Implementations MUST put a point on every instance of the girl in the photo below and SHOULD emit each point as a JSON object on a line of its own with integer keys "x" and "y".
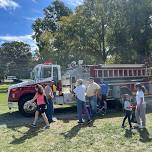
{"x": 128, "y": 109}
{"x": 41, "y": 106}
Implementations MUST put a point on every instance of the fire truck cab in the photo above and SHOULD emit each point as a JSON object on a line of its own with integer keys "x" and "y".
{"x": 19, "y": 94}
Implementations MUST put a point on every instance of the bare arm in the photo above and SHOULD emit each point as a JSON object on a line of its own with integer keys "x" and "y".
{"x": 34, "y": 98}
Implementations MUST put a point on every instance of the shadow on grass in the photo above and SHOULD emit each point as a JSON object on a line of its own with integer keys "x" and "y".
{"x": 13, "y": 120}
{"x": 128, "y": 133}
{"x": 74, "y": 131}
{"x": 31, "y": 132}
{"x": 144, "y": 135}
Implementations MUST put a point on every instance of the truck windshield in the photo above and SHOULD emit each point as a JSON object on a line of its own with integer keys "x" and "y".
{"x": 47, "y": 72}
{"x": 41, "y": 72}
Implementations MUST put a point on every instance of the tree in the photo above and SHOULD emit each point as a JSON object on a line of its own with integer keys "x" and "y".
{"x": 97, "y": 31}
{"x": 130, "y": 32}
{"x": 16, "y": 58}
{"x": 49, "y": 24}
{"x": 83, "y": 34}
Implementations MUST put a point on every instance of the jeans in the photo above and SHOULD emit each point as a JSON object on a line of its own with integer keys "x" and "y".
{"x": 81, "y": 108}
{"x": 141, "y": 114}
{"x": 127, "y": 115}
{"x": 93, "y": 104}
{"x": 49, "y": 110}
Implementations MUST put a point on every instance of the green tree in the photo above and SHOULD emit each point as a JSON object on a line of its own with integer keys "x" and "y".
{"x": 49, "y": 24}
{"x": 16, "y": 58}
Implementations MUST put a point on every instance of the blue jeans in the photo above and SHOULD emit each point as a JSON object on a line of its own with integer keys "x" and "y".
{"x": 93, "y": 104}
{"x": 81, "y": 107}
{"x": 49, "y": 110}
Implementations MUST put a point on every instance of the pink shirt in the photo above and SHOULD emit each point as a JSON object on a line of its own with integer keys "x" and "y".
{"x": 40, "y": 99}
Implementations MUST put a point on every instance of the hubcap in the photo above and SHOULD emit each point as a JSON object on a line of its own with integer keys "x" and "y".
{"x": 29, "y": 108}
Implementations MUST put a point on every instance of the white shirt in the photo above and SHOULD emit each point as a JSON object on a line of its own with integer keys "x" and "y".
{"x": 139, "y": 95}
{"x": 80, "y": 92}
{"x": 127, "y": 105}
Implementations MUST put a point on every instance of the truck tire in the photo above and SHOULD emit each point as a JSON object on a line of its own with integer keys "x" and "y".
{"x": 24, "y": 109}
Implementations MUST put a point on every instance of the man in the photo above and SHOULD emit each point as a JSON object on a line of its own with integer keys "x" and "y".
{"x": 54, "y": 88}
{"x": 104, "y": 92}
{"x": 49, "y": 96}
{"x": 81, "y": 101}
{"x": 92, "y": 93}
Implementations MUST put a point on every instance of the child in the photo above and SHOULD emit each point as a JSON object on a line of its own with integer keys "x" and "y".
{"x": 128, "y": 109}
{"x": 41, "y": 106}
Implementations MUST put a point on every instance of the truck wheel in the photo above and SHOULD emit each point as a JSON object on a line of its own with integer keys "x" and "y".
{"x": 24, "y": 107}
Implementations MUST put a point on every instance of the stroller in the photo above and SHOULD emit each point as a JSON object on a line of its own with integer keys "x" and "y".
{"x": 101, "y": 106}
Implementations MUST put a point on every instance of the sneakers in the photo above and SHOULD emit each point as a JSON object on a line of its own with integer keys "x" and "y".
{"x": 131, "y": 127}
{"x": 136, "y": 125}
{"x": 89, "y": 121}
{"x": 80, "y": 122}
{"x": 122, "y": 126}
{"x": 33, "y": 125}
{"x": 141, "y": 127}
{"x": 46, "y": 127}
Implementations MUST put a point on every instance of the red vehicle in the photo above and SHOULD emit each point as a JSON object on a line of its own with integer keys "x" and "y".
{"x": 120, "y": 78}
{"x": 20, "y": 93}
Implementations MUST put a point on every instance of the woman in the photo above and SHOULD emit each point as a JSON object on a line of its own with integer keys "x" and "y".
{"x": 41, "y": 106}
{"x": 140, "y": 107}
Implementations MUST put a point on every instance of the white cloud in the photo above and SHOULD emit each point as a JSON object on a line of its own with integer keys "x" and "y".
{"x": 73, "y": 3}
{"x": 5, "y": 4}
{"x": 30, "y": 18}
{"x": 25, "y": 38}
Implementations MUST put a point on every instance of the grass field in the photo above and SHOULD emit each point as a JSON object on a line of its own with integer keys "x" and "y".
{"x": 103, "y": 135}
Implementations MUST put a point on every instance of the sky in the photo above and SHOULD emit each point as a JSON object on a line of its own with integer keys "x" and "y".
{"x": 17, "y": 16}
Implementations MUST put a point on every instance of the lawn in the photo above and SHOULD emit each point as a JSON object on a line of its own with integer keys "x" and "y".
{"x": 104, "y": 134}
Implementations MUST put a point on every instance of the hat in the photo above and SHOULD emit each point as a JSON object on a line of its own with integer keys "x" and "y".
{"x": 91, "y": 78}
{"x": 79, "y": 81}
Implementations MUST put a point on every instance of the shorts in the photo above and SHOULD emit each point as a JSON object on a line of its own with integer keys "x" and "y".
{"x": 41, "y": 108}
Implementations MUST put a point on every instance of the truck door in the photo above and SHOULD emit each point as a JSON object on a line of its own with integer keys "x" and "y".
{"x": 55, "y": 74}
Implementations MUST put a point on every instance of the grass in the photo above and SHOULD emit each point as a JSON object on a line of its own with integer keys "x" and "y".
{"x": 104, "y": 134}
{"x": 3, "y": 88}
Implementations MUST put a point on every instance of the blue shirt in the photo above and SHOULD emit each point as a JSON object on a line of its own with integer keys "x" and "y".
{"x": 104, "y": 88}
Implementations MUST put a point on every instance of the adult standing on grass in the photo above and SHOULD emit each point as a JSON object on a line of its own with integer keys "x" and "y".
{"x": 49, "y": 96}
{"x": 92, "y": 93}
{"x": 140, "y": 107}
{"x": 81, "y": 101}
{"x": 41, "y": 106}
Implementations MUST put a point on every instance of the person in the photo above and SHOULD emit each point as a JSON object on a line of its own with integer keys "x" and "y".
{"x": 92, "y": 93}
{"x": 140, "y": 111}
{"x": 104, "y": 91}
{"x": 81, "y": 101}
{"x": 49, "y": 96}
{"x": 128, "y": 109}
{"x": 41, "y": 106}
{"x": 54, "y": 88}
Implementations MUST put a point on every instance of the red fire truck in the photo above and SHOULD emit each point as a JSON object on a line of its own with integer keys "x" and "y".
{"x": 120, "y": 78}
